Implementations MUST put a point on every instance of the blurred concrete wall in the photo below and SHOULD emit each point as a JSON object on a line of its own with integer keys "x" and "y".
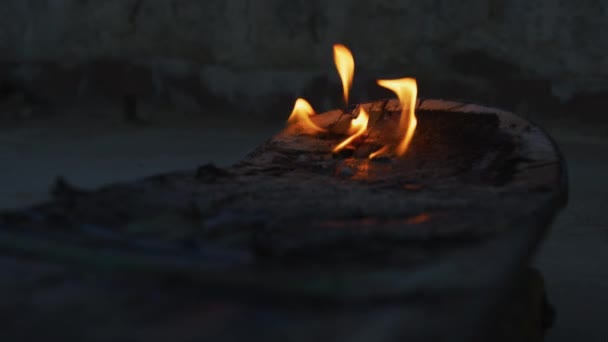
{"x": 524, "y": 54}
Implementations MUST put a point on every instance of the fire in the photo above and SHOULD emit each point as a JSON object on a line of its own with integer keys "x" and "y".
{"x": 345, "y": 63}
{"x": 407, "y": 91}
{"x": 358, "y": 126}
{"x": 300, "y": 117}
{"x": 380, "y": 152}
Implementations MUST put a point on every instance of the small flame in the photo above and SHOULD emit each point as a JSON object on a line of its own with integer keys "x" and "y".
{"x": 359, "y": 126}
{"x": 380, "y": 152}
{"x": 345, "y": 63}
{"x": 407, "y": 91}
{"x": 300, "y": 117}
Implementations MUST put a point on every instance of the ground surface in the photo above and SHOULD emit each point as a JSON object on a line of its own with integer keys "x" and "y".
{"x": 92, "y": 152}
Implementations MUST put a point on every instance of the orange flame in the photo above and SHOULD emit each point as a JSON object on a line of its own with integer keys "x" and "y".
{"x": 379, "y": 152}
{"x": 407, "y": 91}
{"x": 345, "y": 63}
{"x": 300, "y": 117}
{"x": 359, "y": 126}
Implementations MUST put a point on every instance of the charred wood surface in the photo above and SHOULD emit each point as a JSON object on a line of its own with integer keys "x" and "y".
{"x": 448, "y": 225}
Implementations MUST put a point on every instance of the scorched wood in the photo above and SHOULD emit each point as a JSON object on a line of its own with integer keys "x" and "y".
{"x": 428, "y": 242}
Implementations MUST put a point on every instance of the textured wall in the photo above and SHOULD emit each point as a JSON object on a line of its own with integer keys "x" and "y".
{"x": 551, "y": 47}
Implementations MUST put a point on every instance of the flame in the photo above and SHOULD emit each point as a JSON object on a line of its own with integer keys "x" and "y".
{"x": 300, "y": 117}
{"x": 379, "y": 152}
{"x": 407, "y": 91}
{"x": 359, "y": 126}
{"x": 345, "y": 63}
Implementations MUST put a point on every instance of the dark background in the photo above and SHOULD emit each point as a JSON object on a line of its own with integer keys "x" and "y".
{"x": 103, "y": 91}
